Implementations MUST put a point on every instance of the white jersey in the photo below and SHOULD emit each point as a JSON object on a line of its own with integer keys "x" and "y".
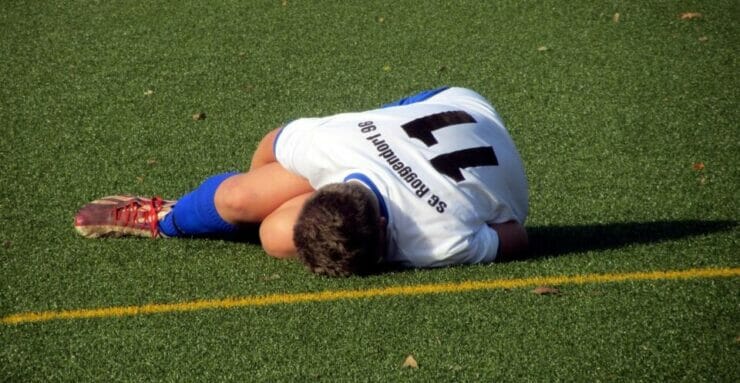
{"x": 443, "y": 170}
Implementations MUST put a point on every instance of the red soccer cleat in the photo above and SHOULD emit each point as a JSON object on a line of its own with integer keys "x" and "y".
{"x": 122, "y": 215}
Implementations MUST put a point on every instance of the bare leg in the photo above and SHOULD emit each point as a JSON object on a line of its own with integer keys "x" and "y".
{"x": 264, "y": 154}
{"x": 276, "y": 231}
{"x": 250, "y": 197}
{"x": 227, "y": 203}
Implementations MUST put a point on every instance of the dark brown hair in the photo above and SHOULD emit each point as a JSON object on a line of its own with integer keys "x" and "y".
{"x": 338, "y": 232}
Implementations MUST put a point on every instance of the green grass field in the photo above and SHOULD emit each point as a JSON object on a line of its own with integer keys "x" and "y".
{"x": 625, "y": 114}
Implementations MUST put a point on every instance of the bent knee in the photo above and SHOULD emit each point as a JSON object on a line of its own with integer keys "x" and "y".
{"x": 236, "y": 203}
{"x": 276, "y": 236}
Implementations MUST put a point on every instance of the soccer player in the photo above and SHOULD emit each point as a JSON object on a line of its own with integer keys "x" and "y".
{"x": 427, "y": 181}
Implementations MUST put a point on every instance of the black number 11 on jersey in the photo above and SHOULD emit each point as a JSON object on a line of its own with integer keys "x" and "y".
{"x": 450, "y": 164}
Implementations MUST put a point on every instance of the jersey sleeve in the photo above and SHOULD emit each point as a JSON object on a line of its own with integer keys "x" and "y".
{"x": 480, "y": 247}
{"x": 485, "y": 245}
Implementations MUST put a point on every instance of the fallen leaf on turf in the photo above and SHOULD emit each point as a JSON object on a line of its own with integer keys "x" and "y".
{"x": 380, "y": 19}
{"x": 542, "y": 48}
{"x": 690, "y": 15}
{"x": 151, "y": 161}
{"x": 199, "y": 116}
{"x": 7, "y": 244}
{"x": 410, "y": 362}
{"x": 704, "y": 39}
{"x": 149, "y": 92}
{"x": 140, "y": 179}
{"x": 698, "y": 166}
{"x": 616, "y": 17}
{"x": 387, "y": 68}
{"x": 546, "y": 290}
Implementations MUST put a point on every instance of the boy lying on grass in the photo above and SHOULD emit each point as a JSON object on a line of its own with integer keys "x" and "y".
{"x": 430, "y": 180}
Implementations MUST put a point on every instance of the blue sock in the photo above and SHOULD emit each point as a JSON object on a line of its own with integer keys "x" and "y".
{"x": 195, "y": 213}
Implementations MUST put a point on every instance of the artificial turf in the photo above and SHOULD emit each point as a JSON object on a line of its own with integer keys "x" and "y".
{"x": 625, "y": 114}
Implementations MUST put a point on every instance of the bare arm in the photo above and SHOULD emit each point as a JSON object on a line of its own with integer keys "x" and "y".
{"x": 513, "y": 240}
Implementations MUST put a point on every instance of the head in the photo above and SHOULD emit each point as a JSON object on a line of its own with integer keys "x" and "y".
{"x": 340, "y": 231}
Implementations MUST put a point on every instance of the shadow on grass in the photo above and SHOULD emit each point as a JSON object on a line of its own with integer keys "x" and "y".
{"x": 550, "y": 241}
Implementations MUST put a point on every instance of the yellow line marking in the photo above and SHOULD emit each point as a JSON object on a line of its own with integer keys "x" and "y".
{"x": 325, "y": 296}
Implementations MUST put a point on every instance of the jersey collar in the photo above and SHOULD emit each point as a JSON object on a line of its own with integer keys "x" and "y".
{"x": 369, "y": 183}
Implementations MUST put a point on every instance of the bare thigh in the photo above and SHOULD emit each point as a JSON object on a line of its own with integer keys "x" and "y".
{"x": 250, "y": 197}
